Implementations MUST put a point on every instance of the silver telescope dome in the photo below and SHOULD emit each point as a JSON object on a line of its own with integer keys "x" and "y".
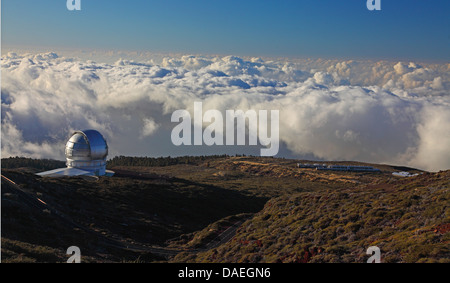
{"x": 87, "y": 150}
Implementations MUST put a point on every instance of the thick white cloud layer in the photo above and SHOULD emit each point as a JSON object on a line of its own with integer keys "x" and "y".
{"x": 390, "y": 112}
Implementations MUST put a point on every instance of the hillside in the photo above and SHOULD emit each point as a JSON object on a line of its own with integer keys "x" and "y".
{"x": 165, "y": 206}
{"x": 409, "y": 220}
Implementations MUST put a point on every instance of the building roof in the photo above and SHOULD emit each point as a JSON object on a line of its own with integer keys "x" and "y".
{"x": 60, "y": 172}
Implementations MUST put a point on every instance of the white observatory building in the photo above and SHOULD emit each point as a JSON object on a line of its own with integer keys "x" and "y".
{"x": 86, "y": 153}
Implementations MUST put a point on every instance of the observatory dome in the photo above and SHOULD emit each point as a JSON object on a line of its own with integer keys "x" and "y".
{"x": 87, "y": 150}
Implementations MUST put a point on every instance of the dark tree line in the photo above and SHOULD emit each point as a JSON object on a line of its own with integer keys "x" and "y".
{"x": 159, "y": 161}
{"x": 49, "y": 164}
{"x": 40, "y": 164}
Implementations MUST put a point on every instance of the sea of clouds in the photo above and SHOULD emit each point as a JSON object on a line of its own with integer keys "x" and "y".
{"x": 372, "y": 111}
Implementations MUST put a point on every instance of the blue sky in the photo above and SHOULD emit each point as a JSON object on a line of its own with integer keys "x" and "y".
{"x": 403, "y": 29}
